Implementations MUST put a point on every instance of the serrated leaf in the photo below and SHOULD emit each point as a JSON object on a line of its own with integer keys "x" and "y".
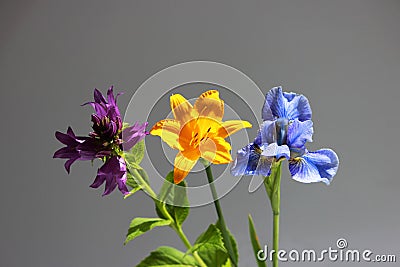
{"x": 168, "y": 257}
{"x": 228, "y": 263}
{"x": 233, "y": 242}
{"x": 138, "y": 151}
{"x": 255, "y": 243}
{"x": 140, "y": 226}
{"x": 210, "y": 247}
{"x": 134, "y": 165}
{"x": 176, "y": 194}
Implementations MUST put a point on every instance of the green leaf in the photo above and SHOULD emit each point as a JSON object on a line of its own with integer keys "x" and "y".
{"x": 136, "y": 154}
{"x": 140, "y": 226}
{"x": 134, "y": 165}
{"x": 255, "y": 243}
{"x": 131, "y": 181}
{"x": 175, "y": 194}
{"x": 228, "y": 263}
{"x": 210, "y": 247}
{"x": 168, "y": 257}
{"x": 233, "y": 242}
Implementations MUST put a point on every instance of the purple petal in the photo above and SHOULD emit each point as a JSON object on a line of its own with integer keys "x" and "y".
{"x": 68, "y": 163}
{"x": 65, "y": 138}
{"x": 98, "y": 97}
{"x": 133, "y": 134}
{"x": 98, "y": 181}
{"x": 65, "y": 153}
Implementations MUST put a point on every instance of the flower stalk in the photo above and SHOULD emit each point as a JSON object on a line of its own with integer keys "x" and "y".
{"x": 177, "y": 228}
{"x": 272, "y": 186}
{"x": 224, "y": 230}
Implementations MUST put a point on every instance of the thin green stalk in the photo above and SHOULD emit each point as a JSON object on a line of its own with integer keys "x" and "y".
{"x": 178, "y": 229}
{"x": 189, "y": 246}
{"x": 275, "y": 240}
{"x": 224, "y": 229}
{"x": 273, "y": 189}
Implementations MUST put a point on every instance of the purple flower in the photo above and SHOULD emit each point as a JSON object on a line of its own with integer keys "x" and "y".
{"x": 113, "y": 172}
{"x": 107, "y": 142}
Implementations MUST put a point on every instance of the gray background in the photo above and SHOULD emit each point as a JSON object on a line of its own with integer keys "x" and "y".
{"x": 344, "y": 55}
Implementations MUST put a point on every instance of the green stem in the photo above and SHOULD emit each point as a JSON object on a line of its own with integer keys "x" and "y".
{"x": 273, "y": 188}
{"x": 189, "y": 246}
{"x": 276, "y": 240}
{"x": 146, "y": 187}
{"x": 224, "y": 229}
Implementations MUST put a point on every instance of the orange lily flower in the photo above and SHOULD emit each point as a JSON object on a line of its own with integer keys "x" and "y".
{"x": 197, "y": 131}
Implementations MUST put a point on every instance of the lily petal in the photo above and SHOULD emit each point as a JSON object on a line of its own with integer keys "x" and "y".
{"x": 182, "y": 167}
{"x": 216, "y": 150}
{"x": 181, "y": 108}
{"x": 318, "y": 166}
{"x": 210, "y": 105}
{"x": 168, "y": 130}
{"x": 231, "y": 127}
{"x": 287, "y": 105}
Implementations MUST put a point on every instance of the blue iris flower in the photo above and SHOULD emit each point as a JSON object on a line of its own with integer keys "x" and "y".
{"x": 285, "y": 130}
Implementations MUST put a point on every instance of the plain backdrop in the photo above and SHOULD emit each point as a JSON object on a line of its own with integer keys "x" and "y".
{"x": 344, "y": 55}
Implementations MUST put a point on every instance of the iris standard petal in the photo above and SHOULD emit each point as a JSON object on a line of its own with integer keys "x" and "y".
{"x": 299, "y": 132}
{"x": 287, "y": 105}
{"x": 267, "y": 133}
{"x": 168, "y": 130}
{"x": 181, "y": 108}
{"x": 318, "y": 166}
{"x": 216, "y": 150}
{"x": 182, "y": 167}
{"x": 210, "y": 105}
{"x": 231, "y": 127}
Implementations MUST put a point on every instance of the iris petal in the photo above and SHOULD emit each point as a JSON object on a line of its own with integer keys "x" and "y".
{"x": 299, "y": 133}
{"x": 267, "y": 133}
{"x": 286, "y": 105}
{"x": 249, "y": 161}
{"x": 274, "y": 150}
{"x": 318, "y": 166}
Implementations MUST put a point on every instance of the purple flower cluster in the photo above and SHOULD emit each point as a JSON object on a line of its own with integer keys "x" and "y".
{"x": 107, "y": 142}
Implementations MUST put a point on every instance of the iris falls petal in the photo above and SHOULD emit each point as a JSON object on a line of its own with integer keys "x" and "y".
{"x": 318, "y": 166}
{"x": 249, "y": 161}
